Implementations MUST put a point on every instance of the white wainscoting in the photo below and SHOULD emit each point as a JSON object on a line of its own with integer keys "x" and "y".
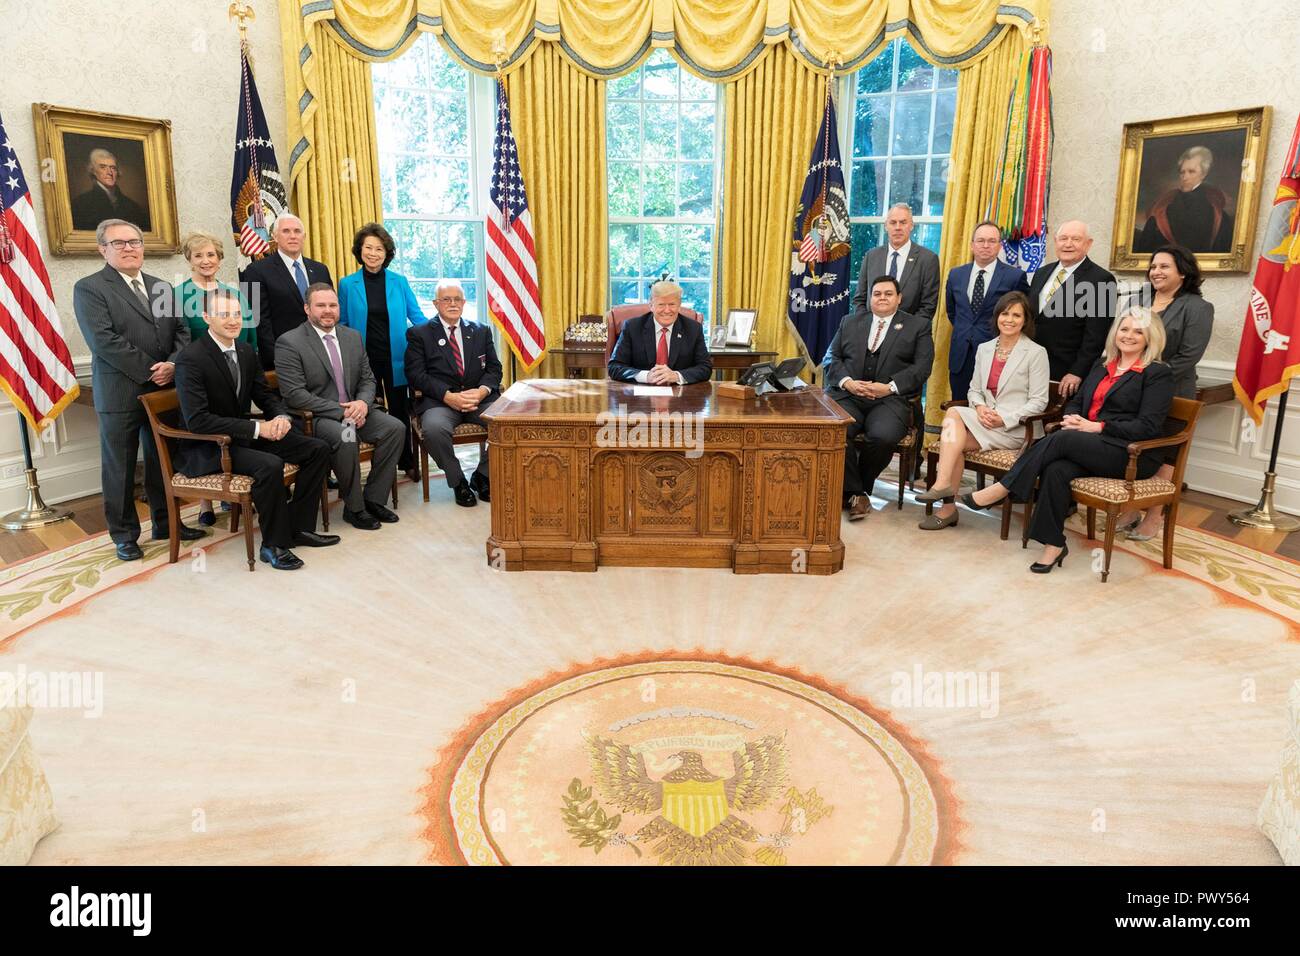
{"x": 66, "y": 459}
{"x": 1228, "y": 458}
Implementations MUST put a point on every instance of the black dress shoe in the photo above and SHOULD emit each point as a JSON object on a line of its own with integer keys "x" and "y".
{"x": 360, "y": 519}
{"x": 464, "y": 495}
{"x": 380, "y": 513}
{"x": 129, "y": 551}
{"x": 186, "y": 533}
{"x": 310, "y": 539}
{"x": 1039, "y": 568}
{"x": 413, "y": 473}
{"x": 480, "y": 486}
{"x": 282, "y": 559}
{"x": 207, "y": 518}
{"x": 332, "y": 483}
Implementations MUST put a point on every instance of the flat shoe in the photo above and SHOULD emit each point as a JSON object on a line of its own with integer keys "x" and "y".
{"x": 1136, "y": 535}
{"x": 936, "y": 494}
{"x": 936, "y": 523}
{"x": 969, "y": 502}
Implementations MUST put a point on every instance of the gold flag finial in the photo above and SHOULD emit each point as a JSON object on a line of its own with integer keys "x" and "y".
{"x": 499, "y": 48}
{"x": 242, "y": 12}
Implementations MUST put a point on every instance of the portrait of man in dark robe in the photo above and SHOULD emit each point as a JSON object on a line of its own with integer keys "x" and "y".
{"x": 1198, "y": 211}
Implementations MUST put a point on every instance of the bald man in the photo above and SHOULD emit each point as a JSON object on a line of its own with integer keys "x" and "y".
{"x": 1075, "y": 301}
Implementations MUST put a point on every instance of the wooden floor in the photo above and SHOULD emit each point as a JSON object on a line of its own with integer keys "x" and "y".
{"x": 1198, "y": 510}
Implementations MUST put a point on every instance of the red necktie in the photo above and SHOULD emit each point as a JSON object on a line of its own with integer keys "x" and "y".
{"x": 879, "y": 334}
{"x": 455, "y": 351}
{"x": 661, "y": 354}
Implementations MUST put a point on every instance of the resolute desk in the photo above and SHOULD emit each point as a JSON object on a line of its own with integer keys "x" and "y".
{"x": 586, "y": 473}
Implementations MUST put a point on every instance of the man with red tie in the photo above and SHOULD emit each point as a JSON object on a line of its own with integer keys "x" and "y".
{"x": 454, "y": 366}
{"x": 661, "y": 347}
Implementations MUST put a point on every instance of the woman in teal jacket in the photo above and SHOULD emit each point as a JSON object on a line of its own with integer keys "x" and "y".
{"x": 380, "y": 305}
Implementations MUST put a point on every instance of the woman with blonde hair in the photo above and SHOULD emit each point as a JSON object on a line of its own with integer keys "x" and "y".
{"x": 1125, "y": 398}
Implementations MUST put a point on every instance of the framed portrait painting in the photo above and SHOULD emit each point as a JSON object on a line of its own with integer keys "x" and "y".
{"x": 1192, "y": 181}
{"x": 97, "y": 166}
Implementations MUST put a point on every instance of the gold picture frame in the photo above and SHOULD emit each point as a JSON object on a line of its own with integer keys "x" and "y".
{"x": 1160, "y": 197}
{"x": 97, "y": 166}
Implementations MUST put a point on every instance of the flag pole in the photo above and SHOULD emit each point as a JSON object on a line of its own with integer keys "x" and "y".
{"x": 37, "y": 514}
{"x": 1265, "y": 515}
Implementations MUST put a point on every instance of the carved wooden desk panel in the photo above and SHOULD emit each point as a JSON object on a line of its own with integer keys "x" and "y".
{"x": 586, "y": 473}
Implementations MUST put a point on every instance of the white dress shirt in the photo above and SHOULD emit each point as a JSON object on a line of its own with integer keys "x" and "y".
{"x": 975, "y": 270}
{"x": 1047, "y": 289}
{"x": 288, "y": 264}
{"x": 903, "y": 251}
{"x": 880, "y": 325}
{"x": 643, "y": 376}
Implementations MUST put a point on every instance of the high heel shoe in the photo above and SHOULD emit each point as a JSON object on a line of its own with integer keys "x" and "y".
{"x": 1039, "y": 568}
{"x": 969, "y": 502}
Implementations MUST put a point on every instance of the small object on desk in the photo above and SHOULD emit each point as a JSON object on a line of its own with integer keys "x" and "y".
{"x": 735, "y": 390}
{"x": 652, "y": 390}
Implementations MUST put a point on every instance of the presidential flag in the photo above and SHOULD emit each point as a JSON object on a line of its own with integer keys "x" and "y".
{"x": 513, "y": 299}
{"x": 35, "y": 367}
{"x": 819, "y": 259}
{"x": 257, "y": 193}
{"x": 1265, "y": 360}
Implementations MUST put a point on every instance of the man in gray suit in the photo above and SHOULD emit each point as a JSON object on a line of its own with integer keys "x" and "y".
{"x": 323, "y": 368}
{"x": 915, "y": 267}
{"x": 876, "y": 364}
{"x": 134, "y": 333}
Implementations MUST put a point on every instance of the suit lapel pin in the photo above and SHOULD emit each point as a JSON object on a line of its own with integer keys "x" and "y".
{"x": 442, "y": 341}
{"x": 898, "y": 325}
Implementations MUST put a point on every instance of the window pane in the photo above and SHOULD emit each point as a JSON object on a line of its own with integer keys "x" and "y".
{"x": 863, "y": 237}
{"x": 927, "y": 234}
{"x": 473, "y": 310}
{"x": 945, "y": 106}
{"x": 914, "y": 73}
{"x": 450, "y": 121}
{"x": 697, "y": 130}
{"x": 401, "y": 120}
{"x": 947, "y": 78}
{"x": 624, "y": 189}
{"x": 695, "y": 295}
{"x": 623, "y": 130}
{"x": 877, "y": 75}
{"x": 660, "y": 131}
{"x": 907, "y": 182}
{"x": 458, "y": 259}
{"x": 657, "y": 251}
{"x": 911, "y": 124}
{"x": 696, "y": 190}
{"x": 694, "y": 251}
{"x": 868, "y": 186}
{"x": 660, "y": 76}
{"x": 625, "y": 87}
{"x": 627, "y": 290}
{"x": 425, "y": 293}
{"x": 660, "y": 190}
{"x": 409, "y": 69}
{"x": 624, "y": 249}
{"x": 694, "y": 88}
{"x": 871, "y": 127}
{"x": 938, "y": 186}
{"x": 417, "y": 249}
{"x": 445, "y": 73}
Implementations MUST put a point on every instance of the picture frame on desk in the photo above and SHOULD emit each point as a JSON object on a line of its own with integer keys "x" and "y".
{"x": 740, "y": 327}
{"x": 718, "y": 336}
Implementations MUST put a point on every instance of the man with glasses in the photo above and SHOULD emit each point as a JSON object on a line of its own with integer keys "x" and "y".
{"x": 971, "y": 293}
{"x": 277, "y": 285}
{"x": 105, "y": 199}
{"x": 454, "y": 366}
{"x": 128, "y": 321}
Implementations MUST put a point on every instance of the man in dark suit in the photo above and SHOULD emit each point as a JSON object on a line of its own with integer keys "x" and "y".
{"x": 454, "y": 365}
{"x": 877, "y": 362}
{"x": 661, "y": 347}
{"x": 915, "y": 267}
{"x": 971, "y": 293}
{"x": 277, "y": 285}
{"x": 104, "y": 199}
{"x": 134, "y": 333}
{"x": 217, "y": 377}
{"x": 323, "y": 368}
{"x": 1074, "y": 299}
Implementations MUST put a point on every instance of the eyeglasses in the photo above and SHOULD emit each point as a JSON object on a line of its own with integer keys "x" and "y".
{"x": 120, "y": 244}
{"x": 451, "y": 300}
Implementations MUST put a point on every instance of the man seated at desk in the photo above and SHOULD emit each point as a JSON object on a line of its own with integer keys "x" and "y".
{"x": 661, "y": 347}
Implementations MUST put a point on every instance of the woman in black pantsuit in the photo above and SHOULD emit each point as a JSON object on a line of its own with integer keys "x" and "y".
{"x": 1125, "y": 398}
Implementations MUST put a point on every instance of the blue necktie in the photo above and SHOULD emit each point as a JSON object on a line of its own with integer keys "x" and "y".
{"x": 893, "y": 265}
{"x": 300, "y": 278}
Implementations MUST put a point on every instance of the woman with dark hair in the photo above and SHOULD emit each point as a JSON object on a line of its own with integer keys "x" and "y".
{"x": 379, "y": 304}
{"x": 1010, "y": 382}
{"x": 1173, "y": 293}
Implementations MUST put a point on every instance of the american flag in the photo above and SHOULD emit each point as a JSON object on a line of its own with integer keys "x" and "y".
{"x": 257, "y": 193}
{"x": 812, "y": 249}
{"x": 35, "y": 368}
{"x": 512, "y": 292}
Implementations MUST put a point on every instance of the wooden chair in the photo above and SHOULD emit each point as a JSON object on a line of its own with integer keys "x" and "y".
{"x": 1117, "y": 495}
{"x": 366, "y": 451}
{"x": 908, "y": 449}
{"x": 996, "y": 462}
{"x": 465, "y": 434}
{"x": 218, "y": 486}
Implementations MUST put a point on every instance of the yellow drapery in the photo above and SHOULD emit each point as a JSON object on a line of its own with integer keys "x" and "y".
{"x": 978, "y": 130}
{"x": 771, "y": 116}
{"x": 337, "y": 191}
{"x": 558, "y": 114}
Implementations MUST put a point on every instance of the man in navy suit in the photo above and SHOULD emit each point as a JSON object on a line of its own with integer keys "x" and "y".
{"x": 971, "y": 293}
{"x": 277, "y": 285}
{"x": 661, "y": 347}
{"x": 455, "y": 367}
